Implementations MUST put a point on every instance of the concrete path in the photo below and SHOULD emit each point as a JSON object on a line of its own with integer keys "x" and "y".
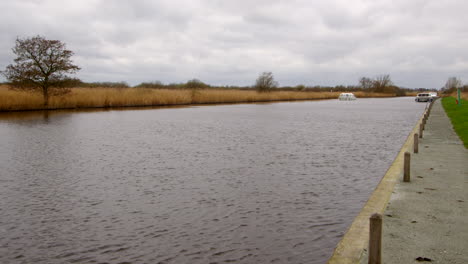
{"x": 426, "y": 220}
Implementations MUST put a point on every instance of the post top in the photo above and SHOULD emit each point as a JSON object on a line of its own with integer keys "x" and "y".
{"x": 376, "y": 216}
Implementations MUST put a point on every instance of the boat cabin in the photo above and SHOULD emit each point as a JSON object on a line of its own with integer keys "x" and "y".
{"x": 347, "y": 97}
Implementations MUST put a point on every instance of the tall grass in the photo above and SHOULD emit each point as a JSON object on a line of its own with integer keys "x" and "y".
{"x": 463, "y": 95}
{"x": 122, "y": 97}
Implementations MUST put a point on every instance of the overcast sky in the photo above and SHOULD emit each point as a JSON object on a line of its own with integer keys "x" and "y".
{"x": 420, "y": 43}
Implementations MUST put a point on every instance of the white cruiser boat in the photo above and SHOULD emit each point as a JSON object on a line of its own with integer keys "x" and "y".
{"x": 347, "y": 97}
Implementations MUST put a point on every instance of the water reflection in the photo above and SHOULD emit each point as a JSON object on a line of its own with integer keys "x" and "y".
{"x": 273, "y": 183}
{"x": 44, "y": 114}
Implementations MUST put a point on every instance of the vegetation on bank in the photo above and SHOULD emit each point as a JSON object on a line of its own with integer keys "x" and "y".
{"x": 13, "y": 100}
{"x": 458, "y": 114}
{"x": 43, "y": 66}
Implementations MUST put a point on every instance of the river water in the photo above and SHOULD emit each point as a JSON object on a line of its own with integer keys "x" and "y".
{"x": 247, "y": 183}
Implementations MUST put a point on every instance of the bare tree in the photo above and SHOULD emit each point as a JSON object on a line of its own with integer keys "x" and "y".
{"x": 41, "y": 65}
{"x": 366, "y": 83}
{"x": 265, "y": 82}
{"x": 381, "y": 83}
{"x": 452, "y": 84}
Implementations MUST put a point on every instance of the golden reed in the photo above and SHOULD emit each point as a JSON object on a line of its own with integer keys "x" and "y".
{"x": 11, "y": 100}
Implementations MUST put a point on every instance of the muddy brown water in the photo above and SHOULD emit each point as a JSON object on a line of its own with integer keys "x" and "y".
{"x": 249, "y": 183}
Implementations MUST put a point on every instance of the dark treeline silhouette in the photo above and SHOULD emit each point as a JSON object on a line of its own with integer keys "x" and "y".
{"x": 266, "y": 83}
{"x": 201, "y": 85}
{"x": 82, "y": 84}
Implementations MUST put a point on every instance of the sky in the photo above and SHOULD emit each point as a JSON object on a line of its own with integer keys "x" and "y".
{"x": 419, "y": 43}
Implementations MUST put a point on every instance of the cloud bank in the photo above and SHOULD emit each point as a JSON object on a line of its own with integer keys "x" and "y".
{"x": 420, "y": 43}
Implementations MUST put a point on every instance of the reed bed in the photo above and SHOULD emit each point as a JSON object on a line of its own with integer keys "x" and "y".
{"x": 411, "y": 93}
{"x": 11, "y": 100}
{"x": 463, "y": 95}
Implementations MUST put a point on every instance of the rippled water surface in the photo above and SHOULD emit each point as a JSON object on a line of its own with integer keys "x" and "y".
{"x": 252, "y": 183}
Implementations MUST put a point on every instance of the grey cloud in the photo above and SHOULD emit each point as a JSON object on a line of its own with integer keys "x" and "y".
{"x": 420, "y": 43}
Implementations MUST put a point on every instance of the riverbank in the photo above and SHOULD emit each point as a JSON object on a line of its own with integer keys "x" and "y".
{"x": 423, "y": 220}
{"x": 354, "y": 243}
{"x": 137, "y": 97}
{"x": 426, "y": 219}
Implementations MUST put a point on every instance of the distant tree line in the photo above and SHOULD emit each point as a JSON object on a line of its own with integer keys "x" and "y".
{"x": 44, "y": 66}
{"x": 266, "y": 83}
{"x": 452, "y": 84}
{"x": 381, "y": 84}
{"x": 260, "y": 86}
{"x": 82, "y": 84}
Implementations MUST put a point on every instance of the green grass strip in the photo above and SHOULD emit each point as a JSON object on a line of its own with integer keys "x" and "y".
{"x": 458, "y": 114}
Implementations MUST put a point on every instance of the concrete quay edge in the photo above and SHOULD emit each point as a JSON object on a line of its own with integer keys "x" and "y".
{"x": 351, "y": 247}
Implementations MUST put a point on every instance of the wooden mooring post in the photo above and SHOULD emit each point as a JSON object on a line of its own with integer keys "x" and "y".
{"x": 375, "y": 239}
{"x": 415, "y": 143}
{"x": 406, "y": 167}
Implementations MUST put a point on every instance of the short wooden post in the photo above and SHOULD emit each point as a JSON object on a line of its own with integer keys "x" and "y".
{"x": 375, "y": 239}
{"x": 406, "y": 167}
{"x": 421, "y": 127}
{"x": 415, "y": 143}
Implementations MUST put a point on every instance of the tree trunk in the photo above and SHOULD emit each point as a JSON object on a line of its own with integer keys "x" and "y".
{"x": 45, "y": 93}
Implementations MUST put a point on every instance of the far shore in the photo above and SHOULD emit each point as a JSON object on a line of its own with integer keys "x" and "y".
{"x": 103, "y": 97}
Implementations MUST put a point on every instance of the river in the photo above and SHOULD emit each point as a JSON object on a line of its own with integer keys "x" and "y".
{"x": 245, "y": 183}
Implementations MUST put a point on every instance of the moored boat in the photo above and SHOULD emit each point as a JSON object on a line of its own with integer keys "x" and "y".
{"x": 347, "y": 97}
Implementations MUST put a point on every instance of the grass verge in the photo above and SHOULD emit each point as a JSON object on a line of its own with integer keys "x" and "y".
{"x": 458, "y": 114}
